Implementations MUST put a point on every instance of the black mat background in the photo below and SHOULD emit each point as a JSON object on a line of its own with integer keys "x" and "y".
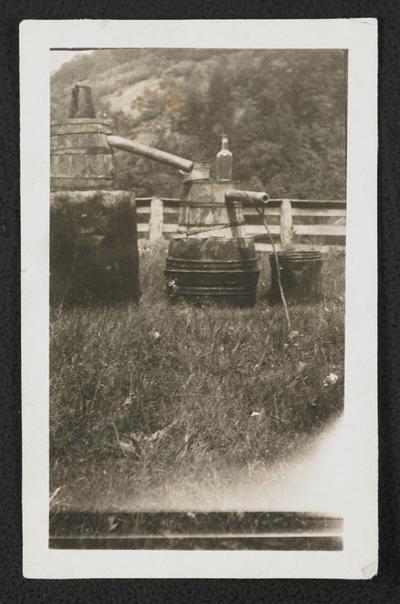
{"x": 385, "y": 588}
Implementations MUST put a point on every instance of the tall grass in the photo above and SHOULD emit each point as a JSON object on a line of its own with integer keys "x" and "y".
{"x": 147, "y": 395}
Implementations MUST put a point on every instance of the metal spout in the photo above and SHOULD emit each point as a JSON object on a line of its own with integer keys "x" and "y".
{"x": 253, "y": 196}
{"x": 163, "y": 157}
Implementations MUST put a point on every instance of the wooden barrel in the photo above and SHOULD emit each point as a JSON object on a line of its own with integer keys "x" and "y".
{"x": 81, "y": 158}
{"x": 300, "y": 273}
{"x": 205, "y": 212}
{"x": 218, "y": 269}
{"x": 93, "y": 247}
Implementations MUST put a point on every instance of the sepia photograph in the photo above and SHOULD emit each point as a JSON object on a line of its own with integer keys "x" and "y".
{"x": 197, "y": 271}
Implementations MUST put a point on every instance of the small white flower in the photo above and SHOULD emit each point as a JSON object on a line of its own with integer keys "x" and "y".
{"x": 128, "y": 401}
{"x": 332, "y": 378}
{"x": 255, "y": 414}
{"x": 155, "y": 334}
{"x": 301, "y": 366}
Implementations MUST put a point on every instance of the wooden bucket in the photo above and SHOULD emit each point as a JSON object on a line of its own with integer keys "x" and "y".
{"x": 81, "y": 158}
{"x": 218, "y": 269}
{"x": 204, "y": 211}
{"x": 93, "y": 247}
{"x": 210, "y": 257}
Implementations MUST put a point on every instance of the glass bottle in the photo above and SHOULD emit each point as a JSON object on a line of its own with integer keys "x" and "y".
{"x": 224, "y": 161}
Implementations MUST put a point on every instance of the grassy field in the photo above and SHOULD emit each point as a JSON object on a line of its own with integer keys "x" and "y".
{"x": 155, "y": 403}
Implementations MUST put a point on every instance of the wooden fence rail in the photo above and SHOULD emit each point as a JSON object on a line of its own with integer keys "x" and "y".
{"x": 304, "y": 222}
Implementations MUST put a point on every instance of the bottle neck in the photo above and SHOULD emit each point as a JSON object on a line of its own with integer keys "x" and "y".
{"x": 224, "y": 144}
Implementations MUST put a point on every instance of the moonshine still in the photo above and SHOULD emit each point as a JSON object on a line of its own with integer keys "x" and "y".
{"x": 209, "y": 257}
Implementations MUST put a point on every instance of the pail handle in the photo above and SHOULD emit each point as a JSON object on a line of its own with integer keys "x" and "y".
{"x": 230, "y": 281}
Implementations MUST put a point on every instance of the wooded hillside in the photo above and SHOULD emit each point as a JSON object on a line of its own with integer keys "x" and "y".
{"x": 283, "y": 110}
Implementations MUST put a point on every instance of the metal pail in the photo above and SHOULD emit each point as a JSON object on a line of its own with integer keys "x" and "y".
{"x": 300, "y": 273}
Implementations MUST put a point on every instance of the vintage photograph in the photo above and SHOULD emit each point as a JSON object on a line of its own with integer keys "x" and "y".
{"x": 199, "y": 298}
{"x": 197, "y": 289}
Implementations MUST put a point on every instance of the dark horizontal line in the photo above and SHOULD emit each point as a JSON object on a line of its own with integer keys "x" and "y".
{"x": 217, "y": 48}
{"x": 134, "y": 524}
{"x": 220, "y": 536}
{"x": 80, "y": 48}
{"x": 323, "y": 543}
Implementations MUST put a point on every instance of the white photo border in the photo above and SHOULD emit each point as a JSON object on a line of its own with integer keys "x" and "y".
{"x": 358, "y": 560}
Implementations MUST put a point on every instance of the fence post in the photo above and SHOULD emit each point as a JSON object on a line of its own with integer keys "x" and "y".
{"x": 156, "y": 219}
{"x": 286, "y": 223}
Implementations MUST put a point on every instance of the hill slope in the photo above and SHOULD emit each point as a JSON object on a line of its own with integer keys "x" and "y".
{"x": 284, "y": 112}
